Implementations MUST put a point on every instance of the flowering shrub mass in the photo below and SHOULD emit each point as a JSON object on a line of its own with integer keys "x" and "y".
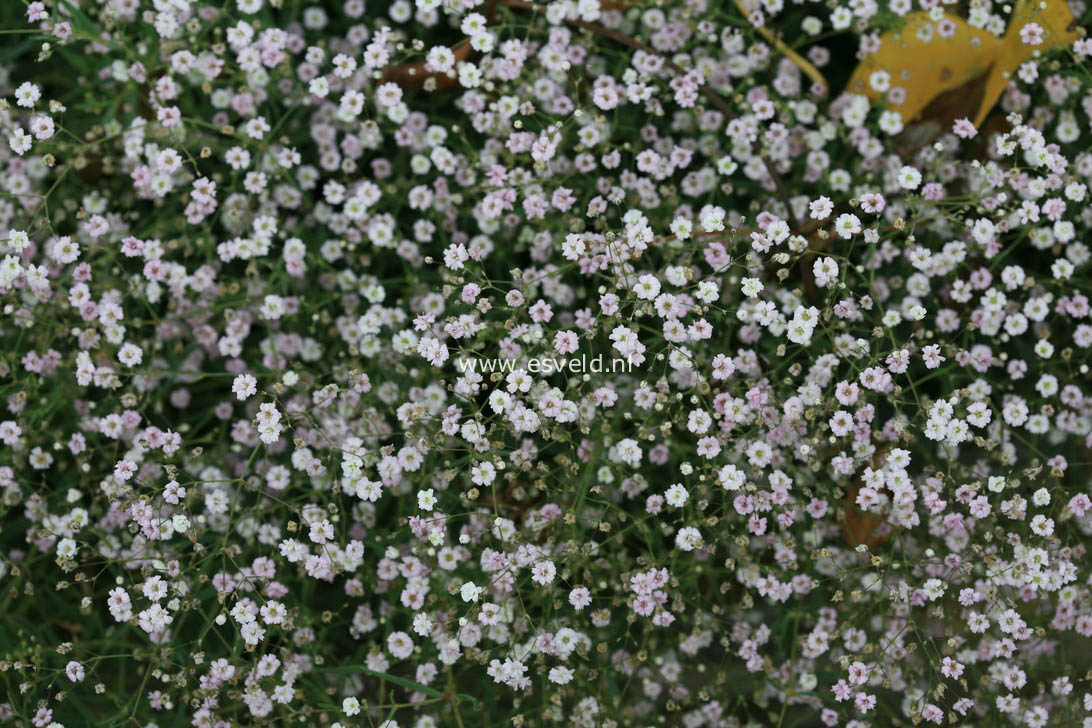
{"x": 273, "y": 274}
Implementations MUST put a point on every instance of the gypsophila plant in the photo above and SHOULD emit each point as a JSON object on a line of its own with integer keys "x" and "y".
{"x": 587, "y": 363}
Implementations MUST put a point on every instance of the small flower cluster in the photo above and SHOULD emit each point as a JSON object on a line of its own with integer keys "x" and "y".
{"x": 247, "y": 477}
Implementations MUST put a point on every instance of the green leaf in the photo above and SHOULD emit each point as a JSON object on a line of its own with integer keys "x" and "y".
{"x": 16, "y": 49}
{"x": 81, "y": 23}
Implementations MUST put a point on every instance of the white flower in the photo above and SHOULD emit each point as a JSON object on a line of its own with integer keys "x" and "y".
{"x": 440, "y": 59}
{"x": 19, "y": 141}
{"x": 18, "y": 240}
{"x": 681, "y": 228}
{"x": 426, "y": 499}
{"x": 319, "y": 87}
{"x": 252, "y": 633}
{"x": 470, "y": 76}
{"x": 799, "y": 332}
{"x": 727, "y": 166}
{"x": 820, "y": 208}
{"x": 273, "y": 307}
{"x": 983, "y": 230}
{"x": 712, "y": 219}
{"x": 891, "y": 122}
{"x": 825, "y": 271}
{"x": 130, "y": 355}
{"x": 483, "y": 473}
{"x": 676, "y": 495}
{"x": 707, "y": 292}
{"x": 244, "y": 386}
{"x": 560, "y": 675}
{"x": 909, "y": 178}
{"x": 847, "y": 225}
{"x": 841, "y": 18}
{"x": 731, "y": 477}
{"x": 472, "y": 24}
{"x": 350, "y": 706}
{"x": 880, "y": 81}
{"x": 1042, "y": 526}
{"x": 688, "y": 538}
{"x": 470, "y": 592}
{"x": 647, "y": 287}
{"x": 27, "y": 95}
{"x": 422, "y": 625}
{"x": 751, "y": 287}
{"x": 66, "y": 548}
{"x": 155, "y": 588}
{"x": 934, "y": 589}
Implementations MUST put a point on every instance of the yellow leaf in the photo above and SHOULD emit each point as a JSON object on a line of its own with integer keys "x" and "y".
{"x": 1059, "y": 29}
{"x": 924, "y": 64}
{"x": 926, "y": 59}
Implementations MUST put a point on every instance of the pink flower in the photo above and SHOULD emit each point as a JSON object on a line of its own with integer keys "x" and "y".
{"x": 169, "y": 116}
{"x": 1031, "y": 34}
